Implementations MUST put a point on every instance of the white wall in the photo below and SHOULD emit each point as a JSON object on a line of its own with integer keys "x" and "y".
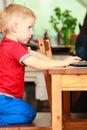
{"x": 44, "y": 9}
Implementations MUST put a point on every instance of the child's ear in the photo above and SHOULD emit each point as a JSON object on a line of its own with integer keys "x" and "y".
{"x": 14, "y": 27}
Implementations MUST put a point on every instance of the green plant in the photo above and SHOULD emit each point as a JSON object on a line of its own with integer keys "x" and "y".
{"x": 65, "y": 23}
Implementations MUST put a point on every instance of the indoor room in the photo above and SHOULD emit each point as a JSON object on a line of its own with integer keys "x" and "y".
{"x": 59, "y": 94}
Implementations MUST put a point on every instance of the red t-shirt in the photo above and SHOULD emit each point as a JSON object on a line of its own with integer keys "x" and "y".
{"x": 11, "y": 67}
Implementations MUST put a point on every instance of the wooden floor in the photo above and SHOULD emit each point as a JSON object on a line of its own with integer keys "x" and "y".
{"x": 42, "y": 119}
{"x": 79, "y": 122}
{"x": 43, "y": 122}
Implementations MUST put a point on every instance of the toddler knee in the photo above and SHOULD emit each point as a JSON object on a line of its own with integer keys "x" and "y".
{"x": 29, "y": 115}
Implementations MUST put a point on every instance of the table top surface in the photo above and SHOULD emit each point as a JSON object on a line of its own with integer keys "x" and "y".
{"x": 68, "y": 70}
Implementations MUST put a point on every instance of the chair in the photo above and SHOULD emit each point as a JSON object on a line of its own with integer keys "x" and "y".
{"x": 45, "y": 48}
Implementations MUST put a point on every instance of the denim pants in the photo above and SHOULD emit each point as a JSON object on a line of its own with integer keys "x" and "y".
{"x": 15, "y": 111}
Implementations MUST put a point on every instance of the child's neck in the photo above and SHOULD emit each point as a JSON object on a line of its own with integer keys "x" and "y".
{"x": 11, "y": 37}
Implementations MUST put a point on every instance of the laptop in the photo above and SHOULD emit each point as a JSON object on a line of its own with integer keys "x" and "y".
{"x": 79, "y": 64}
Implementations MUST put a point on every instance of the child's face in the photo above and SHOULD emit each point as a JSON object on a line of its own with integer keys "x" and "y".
{"x": 25, "y": 30}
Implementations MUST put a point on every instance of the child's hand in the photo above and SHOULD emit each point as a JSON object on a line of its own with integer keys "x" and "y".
{"x": 72, "y": 59}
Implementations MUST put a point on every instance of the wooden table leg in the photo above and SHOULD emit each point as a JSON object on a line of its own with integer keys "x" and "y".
{"x": 56, "y": 102}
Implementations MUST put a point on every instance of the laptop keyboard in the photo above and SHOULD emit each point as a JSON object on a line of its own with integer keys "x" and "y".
{"x": 80, "y": 64}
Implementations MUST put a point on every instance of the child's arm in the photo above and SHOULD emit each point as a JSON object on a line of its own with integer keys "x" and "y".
{"x": 41, "y": 62}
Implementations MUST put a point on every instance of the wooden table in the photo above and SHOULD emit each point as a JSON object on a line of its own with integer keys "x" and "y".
{"x": 66, "y": 79}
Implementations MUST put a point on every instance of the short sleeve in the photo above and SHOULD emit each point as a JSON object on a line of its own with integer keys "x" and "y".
{"x": 18, "y": 51}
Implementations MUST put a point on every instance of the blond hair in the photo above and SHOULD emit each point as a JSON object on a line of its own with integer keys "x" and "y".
{"x": 13, "y": 12}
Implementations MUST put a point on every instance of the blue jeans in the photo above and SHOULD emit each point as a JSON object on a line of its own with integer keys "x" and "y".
{"x": 15, "y": 111}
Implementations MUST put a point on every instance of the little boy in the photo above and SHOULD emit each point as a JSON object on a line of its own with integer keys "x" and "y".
{"x": 16, "y": 23}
